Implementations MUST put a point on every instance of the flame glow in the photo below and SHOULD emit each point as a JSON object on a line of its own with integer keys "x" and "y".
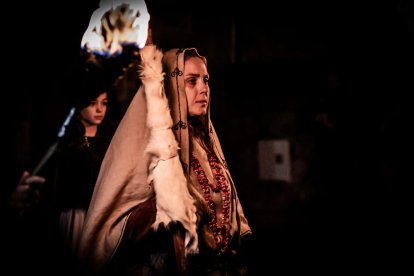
{"x": 114, "y": 24}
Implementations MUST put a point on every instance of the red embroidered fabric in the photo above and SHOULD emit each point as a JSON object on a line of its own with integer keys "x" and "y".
{"x": 221, "y": 232}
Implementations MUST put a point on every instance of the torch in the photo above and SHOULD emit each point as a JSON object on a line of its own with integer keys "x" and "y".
{"x": 117, "y": 31}
{"x": 53, "y": 148}
{"x": 115, "y": 25}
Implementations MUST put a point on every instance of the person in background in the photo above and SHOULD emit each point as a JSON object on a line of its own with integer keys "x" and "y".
{"x": 80, "y": 156}
{"x": 165, "y": 202}
{"x": 56, "y": 200}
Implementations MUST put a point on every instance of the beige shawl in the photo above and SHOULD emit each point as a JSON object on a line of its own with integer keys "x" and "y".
{"x": 149, "y": 154}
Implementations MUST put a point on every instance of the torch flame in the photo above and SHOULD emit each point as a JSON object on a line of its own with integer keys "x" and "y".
{"x": 114, "y": 24}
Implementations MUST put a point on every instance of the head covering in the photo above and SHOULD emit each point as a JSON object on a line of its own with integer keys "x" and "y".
{"x": 149, "y": 154}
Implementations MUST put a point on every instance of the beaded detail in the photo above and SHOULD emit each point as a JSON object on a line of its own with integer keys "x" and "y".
{"x": 221, "y": 233}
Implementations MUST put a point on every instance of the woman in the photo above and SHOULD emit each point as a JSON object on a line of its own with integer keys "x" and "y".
{"x": 79, "y": 160}
{"x": 50, "y": 210}
{"x": 165, "y": 202}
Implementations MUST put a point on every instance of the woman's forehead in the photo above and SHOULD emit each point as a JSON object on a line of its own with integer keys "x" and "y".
{"x": 195, "y": 65}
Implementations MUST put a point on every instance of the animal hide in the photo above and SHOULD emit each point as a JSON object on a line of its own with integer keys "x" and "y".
{"x": 173, "y": 200}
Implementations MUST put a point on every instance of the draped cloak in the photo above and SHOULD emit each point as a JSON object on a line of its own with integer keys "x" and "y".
{"x": 150, "y": 155}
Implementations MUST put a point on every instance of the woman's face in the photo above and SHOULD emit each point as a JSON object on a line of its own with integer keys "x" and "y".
{"x": 95, "y": 112}
{"x": 196, "y": 80}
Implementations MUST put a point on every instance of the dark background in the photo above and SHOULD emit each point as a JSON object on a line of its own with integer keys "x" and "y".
{"x": 278, "y": 70}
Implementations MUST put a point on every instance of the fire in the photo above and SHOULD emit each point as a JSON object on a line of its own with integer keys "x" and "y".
{"x": 114, "y": 24}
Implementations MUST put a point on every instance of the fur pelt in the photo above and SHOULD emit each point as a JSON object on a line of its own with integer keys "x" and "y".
{"x": 173, "y": 200}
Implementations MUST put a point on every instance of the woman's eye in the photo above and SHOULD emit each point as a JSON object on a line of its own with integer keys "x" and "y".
{"x": 192, "y": 81}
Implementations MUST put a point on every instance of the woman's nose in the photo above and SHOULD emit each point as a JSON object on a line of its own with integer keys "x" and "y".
{"x": 203, "y": 87}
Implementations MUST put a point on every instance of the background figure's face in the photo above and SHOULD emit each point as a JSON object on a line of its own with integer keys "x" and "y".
{"x": 196, "y": 80}
{"x": 95, "y": 112}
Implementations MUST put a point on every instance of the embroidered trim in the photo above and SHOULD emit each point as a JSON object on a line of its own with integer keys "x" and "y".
{"x": 180, "y": 124}
{"x": 221, "y": 233}
{"x": 176, "y": 72}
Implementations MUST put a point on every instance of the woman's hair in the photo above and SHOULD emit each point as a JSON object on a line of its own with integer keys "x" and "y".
{"x": 75, "y": 131}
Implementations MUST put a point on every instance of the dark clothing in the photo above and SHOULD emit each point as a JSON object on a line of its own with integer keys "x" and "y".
{"x": 78, "y": 169}
{"x": 35, "y": 238}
